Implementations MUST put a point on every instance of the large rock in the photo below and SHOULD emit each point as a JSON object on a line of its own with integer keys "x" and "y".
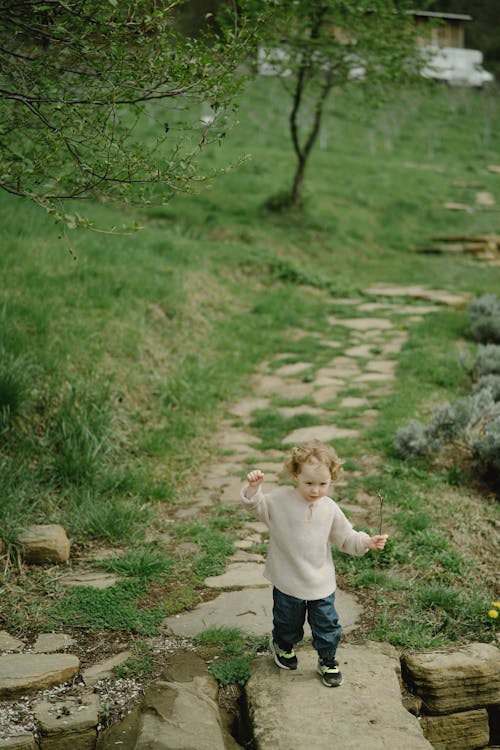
{"x": 448, "y": 681}
{"x": 70, "y": 723}
{"x": 181, "y": 712}
{"x": 467, "y": 730}
{"x": 45, "y": 544}
{"x": 294, "y": 710}
{"x": 28, "y": 673}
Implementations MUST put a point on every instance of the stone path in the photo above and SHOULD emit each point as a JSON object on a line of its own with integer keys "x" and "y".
{"x": 293, "y": 711}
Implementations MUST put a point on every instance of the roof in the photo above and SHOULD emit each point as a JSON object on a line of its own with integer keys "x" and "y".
{"x": 446, "y": 16}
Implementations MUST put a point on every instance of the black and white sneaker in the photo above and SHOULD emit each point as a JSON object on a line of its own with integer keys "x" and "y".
{"x": 285, "y": 658}
{"x": 330, "y": 672}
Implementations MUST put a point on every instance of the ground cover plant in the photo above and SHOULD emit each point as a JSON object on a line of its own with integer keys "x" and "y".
{"x": 119, "y": 355}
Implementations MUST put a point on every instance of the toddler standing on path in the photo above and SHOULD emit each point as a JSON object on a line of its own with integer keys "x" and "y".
{"x": 303, "y": 522}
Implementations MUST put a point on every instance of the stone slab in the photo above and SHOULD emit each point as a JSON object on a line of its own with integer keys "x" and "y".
{"x": 47, "y": 643}
{"x": 251, "y": 611}
{"x": 9, "y": 643}
{"x": 419, "y": 292}
{"x": 104, "y": 669}
{"x": 293, "y": 369}
{"x": 294, "y": 710}
{"x": 69, "y": 715}
{"x": 238, "y": 574}
{"x": 91, "y": 578}
{"x": 28, "y": 673}
{"x": 362, "y": 324}
{"x": 319, "y": 432}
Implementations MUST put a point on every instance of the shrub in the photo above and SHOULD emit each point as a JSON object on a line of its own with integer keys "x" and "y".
{"x": 491, "y": 382}
{"x": 472, "y": 422}
{"x": 486, "y": 449}
{"x": 487, "y": 360}
{"x": 449, "y": 424}
{"x": 484, "y": 317}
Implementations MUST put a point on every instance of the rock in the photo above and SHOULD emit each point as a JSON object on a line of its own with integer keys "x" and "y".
{"x": 170, "y": 707}
{"x": 319, "y": 432}
{"x": 362, "y": 324}
{"x": 47, "y": 643}
{"x": 467, "y": 730}
{"x": 90, "y": 578}
{"x": 70, "y": 723}
{"x": 251, "y": 611}
{"x": 104, "y": 669}
{"x": 21, "y": 741}
{"x": 294, "y": 710}
{"x": 448, "y": 681}
{"x": 239, "y": 574}
{"x": 9, "y": 643}
{"x": 45, "y": 544}
{"x": 28, "y": 673}
{"x": 485, "y": 198}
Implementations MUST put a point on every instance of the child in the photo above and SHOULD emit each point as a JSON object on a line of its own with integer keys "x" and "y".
{"x": 303, "y": 521}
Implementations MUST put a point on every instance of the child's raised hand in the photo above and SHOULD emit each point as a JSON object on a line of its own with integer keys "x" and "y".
{"x": 376, "y": 542}
{"x": 255, "y": 477}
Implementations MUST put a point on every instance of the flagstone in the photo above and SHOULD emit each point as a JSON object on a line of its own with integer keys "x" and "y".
{"x": 293, "y": 369}
{"x": 382, "y": 365}
{"x": 292, "y": 411}
{"x": 9, "y": 643}
{"x": 247, "y": 406}
{"x": 362, "y": 324}
{"x": 362, "y": 350}
{"x": 92, "y": 578}
{"x": 251, "y": 611}
{"x": 420, "y": 292}
{"x": 374, "y": 377}
{"x": 267, "y": 384}
{"x": 320, "y": 432}
{"x": 258, "y": 526}
{"x": 46, "y": 643}
{"x": 353, "y": 402}
{"x": 238, "y": 575}
{"x": 22, "y": 674}
{"x": 326, "y": 393}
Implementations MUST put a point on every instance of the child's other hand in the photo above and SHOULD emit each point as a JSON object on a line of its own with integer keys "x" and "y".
{"x": 255, "y": 477}
{"x": 376, "y": 542}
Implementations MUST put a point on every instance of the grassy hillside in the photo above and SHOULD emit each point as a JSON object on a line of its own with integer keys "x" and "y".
{"x": 118, "y": 353}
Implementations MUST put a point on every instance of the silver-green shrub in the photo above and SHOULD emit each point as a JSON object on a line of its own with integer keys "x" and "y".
{"x": 484, "y": 318}
{"x": 487, "y": 360}
{"x": 473, "y": 422}
{"x": 492, "y": 382}
{"x": 486, "y": 449}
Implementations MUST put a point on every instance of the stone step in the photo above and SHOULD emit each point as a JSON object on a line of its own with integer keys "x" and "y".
{"x": 294, "y": 710}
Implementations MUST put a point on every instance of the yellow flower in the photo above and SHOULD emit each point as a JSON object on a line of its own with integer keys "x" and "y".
{"x": 493, "y": 613}
{"x": 496, "y": 604}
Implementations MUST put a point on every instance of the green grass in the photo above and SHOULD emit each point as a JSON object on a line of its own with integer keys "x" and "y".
{"x": 119, "y": 354}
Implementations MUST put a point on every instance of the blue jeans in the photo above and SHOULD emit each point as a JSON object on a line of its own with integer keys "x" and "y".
{"x": 289, "y": 616}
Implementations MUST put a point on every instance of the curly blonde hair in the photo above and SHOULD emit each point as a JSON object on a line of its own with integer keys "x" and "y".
{"x": 322, "y": 452}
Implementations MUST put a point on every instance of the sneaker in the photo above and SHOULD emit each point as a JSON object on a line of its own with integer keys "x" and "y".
{"x": 283, "y": 658}
{"x": 330, "y": 672}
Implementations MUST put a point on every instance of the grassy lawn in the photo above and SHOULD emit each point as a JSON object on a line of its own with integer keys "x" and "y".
{"x": 118, "y": 355}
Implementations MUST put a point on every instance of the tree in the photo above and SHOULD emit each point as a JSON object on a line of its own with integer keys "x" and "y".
{"x": 78, "y": 81}
{"x": 316, "y": 45}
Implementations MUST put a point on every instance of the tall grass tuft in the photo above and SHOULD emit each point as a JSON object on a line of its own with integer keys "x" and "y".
{"x": 79, "y": 434}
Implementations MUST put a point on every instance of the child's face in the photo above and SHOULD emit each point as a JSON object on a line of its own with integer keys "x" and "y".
{"x": 313, "y": 480}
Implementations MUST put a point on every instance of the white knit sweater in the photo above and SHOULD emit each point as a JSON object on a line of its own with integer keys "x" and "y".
{"x": 299, "y": 560}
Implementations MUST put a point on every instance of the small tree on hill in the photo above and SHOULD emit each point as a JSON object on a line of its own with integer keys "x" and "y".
{"x": 318, "y": 45}
{"x": 77, "y": 79}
